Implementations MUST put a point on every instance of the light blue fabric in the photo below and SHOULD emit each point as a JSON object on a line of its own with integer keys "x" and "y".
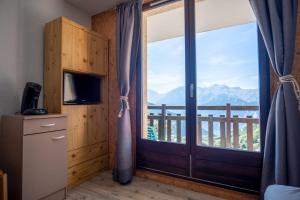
{"x": 280, "y": 192}
{"x": 128, "y": 58}
{"x": 277, "y": 20}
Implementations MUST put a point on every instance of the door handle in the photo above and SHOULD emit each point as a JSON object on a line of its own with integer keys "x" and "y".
{"x": 192, "y": 90}
{"x": 48, "y": 125}
{"x": 58, "y": 138}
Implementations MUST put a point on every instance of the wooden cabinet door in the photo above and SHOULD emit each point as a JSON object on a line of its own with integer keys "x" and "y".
{"x": 77, "y": 126}
{"x": 97, "y": 54}
{"x": 80, "y": 55}
{"x": 67, "y": 46}
{"x": 97, "y": 124}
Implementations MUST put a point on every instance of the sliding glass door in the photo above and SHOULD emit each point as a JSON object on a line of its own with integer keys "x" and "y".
{"x": 164, "y": 143}
{"x": 204, "y": 92}
{"x": 227, "y": 144}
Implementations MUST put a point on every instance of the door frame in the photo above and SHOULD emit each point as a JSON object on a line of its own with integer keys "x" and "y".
{"x": 191, "y": 105}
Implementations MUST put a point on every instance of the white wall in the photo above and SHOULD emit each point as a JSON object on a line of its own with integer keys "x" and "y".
{"x": 21, "y": 44}
{"x": 9, "y": 27}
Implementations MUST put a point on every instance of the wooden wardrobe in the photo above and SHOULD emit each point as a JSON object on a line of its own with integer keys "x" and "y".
{"x": 73, "y": 48}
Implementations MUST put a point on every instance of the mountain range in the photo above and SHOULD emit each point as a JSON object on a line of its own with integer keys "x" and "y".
{"x": 209, "y": 96}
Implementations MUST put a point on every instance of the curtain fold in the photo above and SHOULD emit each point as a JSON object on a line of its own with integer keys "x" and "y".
{"x": 277, "y": 20}
{"x": 128, "y": 56}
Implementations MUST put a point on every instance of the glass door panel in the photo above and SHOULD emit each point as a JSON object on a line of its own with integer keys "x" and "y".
{"x": 227, "y": 75}
{"x": 164, "y": 74}
{"x": 162, "y": 144}
{"x": 227, "y": 143}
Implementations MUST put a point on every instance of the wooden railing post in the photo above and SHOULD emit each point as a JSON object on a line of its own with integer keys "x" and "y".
{"x": 169, "y": 127}
{"x": 222, "y": 131}
{"x": 162, "y": 124}
{"x": 249, "y": 133}
{"x": 236, "y": 142}
{"x": 178, "y": 128}
{"x": 151, "y": 120}
{"x": 210, "y": 130}
{"x": 228, "y": 125}
{"x": 199, "y": 130}
{"x": 159, "y": 121}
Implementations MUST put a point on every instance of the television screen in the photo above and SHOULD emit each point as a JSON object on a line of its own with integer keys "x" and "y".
{"x": 81, "y": 88}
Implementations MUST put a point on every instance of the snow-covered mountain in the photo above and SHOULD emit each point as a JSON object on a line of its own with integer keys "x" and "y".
{"x": 213, "y": 95}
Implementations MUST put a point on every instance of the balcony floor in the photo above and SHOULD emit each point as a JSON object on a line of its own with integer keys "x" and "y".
{"x": 103, "y": 187}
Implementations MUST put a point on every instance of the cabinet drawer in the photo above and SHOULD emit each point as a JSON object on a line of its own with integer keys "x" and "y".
{"x": 87, "y": 153}
{"x": 32, "y": 126}
{"x": 83, "y": 171}
{"x": 44, "y": 164}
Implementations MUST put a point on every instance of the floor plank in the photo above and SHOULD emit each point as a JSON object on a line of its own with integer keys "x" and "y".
{"x": 103, "y": 187}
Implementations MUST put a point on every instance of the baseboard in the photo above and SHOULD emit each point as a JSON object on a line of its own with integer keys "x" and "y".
{"x": 197, "y": 187}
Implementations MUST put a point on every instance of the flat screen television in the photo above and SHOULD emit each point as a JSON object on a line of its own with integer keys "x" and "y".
{"x": 80, "y": 88}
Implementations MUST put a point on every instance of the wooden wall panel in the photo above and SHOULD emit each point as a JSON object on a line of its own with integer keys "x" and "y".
{"x": 296, "y": 67}
{"x": 105, "y": 24}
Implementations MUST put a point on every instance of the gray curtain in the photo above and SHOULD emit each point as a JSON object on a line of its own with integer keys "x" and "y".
{"x": 277, "y": 20}
{"x": 128, "y": 58}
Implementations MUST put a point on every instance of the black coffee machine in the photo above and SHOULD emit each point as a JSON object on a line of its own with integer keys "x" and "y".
{"x": 30, "y": 100}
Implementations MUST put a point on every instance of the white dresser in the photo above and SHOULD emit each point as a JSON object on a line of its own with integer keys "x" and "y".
{"x": 33, "y": 151}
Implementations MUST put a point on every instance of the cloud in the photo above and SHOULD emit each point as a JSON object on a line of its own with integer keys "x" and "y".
{"x": 255, "y": 77}
{"x": 163, "y": 83}
{"x": 227, "y": 61}
{"x": 218, "y": 60}
{"x": 178, "y": 50}
{"x": 209, "y": 82}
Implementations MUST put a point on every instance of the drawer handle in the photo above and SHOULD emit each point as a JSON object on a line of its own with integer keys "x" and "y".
{"x": 58, "y": 138}
{"x": 48, "y": 125}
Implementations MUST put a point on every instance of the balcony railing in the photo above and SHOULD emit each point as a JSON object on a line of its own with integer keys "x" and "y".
{"x": 168, "y": 125}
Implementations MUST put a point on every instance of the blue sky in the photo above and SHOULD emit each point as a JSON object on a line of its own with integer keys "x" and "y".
{"x": 225, "y": 56}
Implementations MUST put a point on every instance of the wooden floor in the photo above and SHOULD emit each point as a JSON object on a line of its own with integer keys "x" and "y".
{"x": 103, "y": 187}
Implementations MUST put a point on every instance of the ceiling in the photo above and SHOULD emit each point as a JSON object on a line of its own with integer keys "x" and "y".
{"x": 94, "y": 7}
{"x": 210, "y": 15}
